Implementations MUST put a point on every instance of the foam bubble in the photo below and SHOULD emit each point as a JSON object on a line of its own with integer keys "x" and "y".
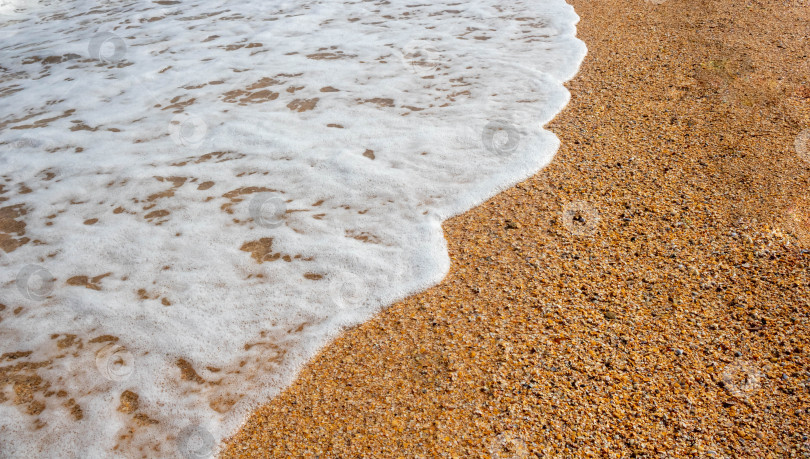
{"x": 211, "y": 193}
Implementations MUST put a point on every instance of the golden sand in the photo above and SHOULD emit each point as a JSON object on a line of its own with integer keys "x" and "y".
{"x": 647, "y": 294}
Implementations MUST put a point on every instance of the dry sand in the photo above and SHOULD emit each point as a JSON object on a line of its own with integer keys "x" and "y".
{"x": 676, "y": 324}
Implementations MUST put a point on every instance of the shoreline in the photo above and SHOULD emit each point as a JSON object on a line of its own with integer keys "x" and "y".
{"x": 678, "y": 323}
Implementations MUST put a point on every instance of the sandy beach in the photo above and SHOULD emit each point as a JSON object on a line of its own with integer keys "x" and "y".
{"x": 646, "y": 295}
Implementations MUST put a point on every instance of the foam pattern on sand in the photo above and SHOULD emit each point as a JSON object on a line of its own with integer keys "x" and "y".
{"x": 196, "y": 197}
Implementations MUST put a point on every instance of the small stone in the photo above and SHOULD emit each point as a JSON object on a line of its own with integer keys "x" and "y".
{"x": 737, "y": 354}
{"x": 610, "y": 315}
{"x": 678, "y": 352}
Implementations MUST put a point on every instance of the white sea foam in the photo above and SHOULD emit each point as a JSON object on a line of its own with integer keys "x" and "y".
{"x": 327, "y": 140}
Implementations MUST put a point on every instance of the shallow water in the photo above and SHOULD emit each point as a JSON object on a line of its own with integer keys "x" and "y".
{"x": 196, "y": 197}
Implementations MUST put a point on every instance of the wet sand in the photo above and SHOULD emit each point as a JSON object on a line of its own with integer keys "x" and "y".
{"x": 647, "y": 294}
